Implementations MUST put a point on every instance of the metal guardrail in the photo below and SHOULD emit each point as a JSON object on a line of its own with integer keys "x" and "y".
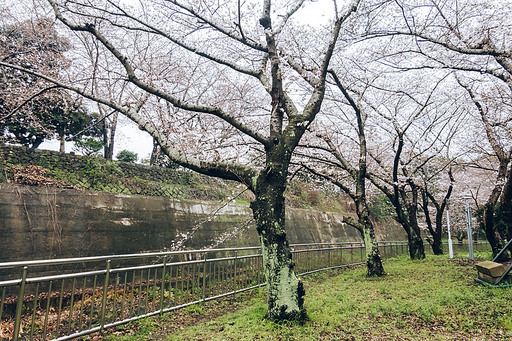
{"x": 62, "y": 299}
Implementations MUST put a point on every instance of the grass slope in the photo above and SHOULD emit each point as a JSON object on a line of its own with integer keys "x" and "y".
{"x": 432, "y": 299}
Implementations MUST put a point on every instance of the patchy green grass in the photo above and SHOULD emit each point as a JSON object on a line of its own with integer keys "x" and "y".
{"x": 432, "y": 299}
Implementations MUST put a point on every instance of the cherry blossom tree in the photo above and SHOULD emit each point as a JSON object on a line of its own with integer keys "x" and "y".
{"x": 349, "y": 175}
{"x": 33, "y": 44}
{"x": 472, "y": 38}
{"x": 233, "y": 45}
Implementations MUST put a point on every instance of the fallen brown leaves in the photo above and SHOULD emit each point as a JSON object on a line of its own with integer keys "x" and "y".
{"x": 34, "y": 176}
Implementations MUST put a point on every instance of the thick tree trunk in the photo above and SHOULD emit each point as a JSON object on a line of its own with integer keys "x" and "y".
{"x": 490, "y": 232}
{"x": 506, "y": 203}
{"x": 436, "y": 233}
{"x": 437, "y": 246}
{"x": 373, "y": 260}
{"x": 437, "y": 242}
{"x": 416, "y": 248}
{"x": 36, "y": 143}
{"x": 285, "y": 290}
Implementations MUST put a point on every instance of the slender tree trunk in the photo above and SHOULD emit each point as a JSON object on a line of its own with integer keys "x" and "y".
{"x": 106, "y": 146}
{"x": 365, "y": 226}
{"x": 155, "y": 153}
{"x": 113, "y": 128}
{"x": 109, "y": 133}
{"x": 62, "y": 148}
{"x": 285, "y": 290}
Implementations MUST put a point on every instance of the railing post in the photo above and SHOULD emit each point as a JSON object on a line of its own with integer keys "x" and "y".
{"x": 329, "y": 255}
{"x": 162, "y": 290}
{"x": 204, "y": 277}
{"x": 234, "y": 284}
{"x": 19, "y": 306}
{"x": 104, "y": 298}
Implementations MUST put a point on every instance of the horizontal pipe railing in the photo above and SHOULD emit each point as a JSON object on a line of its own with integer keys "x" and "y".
{"x": 43, "y": 304}
{"x": 61, "y": 261}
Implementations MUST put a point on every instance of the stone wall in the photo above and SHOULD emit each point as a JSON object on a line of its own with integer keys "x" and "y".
{"x": 40, "y": 222}
{"x": 50, "y": 159}
{"x": 98, "y": 174}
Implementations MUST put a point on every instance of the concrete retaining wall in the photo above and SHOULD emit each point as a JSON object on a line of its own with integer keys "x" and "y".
{"x": 39, "y": 223}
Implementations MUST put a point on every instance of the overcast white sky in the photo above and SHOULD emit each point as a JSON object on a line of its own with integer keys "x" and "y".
{"x": 128, "y": 136}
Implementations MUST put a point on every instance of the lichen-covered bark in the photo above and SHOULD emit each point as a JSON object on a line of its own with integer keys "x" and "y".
{"x": 285, "y": 290}
{"x": 373, "y": 260}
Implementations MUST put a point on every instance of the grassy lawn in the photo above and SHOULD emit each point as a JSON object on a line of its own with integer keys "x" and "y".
{"x": 432, "y": 299}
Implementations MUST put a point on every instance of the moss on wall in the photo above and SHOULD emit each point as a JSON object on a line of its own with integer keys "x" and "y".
{"x": 98, "y": 174}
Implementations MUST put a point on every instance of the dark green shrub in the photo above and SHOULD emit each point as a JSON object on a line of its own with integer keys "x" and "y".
{"x": 127, "y": 156}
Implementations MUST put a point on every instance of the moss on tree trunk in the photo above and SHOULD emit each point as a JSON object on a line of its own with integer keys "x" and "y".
{"x": 373, "y": 260}
{"x": 285, "y": 290}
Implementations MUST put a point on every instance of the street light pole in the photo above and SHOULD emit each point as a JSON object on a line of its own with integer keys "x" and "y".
{"x": 450, "y": 246}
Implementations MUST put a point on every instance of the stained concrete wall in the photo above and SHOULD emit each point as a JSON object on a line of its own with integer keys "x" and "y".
{"x": 39, "y": 223}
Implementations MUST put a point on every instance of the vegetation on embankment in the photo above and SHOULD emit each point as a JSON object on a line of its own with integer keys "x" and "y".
{"x": 431, "y": 299}
{"x": 97, "y": 174}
